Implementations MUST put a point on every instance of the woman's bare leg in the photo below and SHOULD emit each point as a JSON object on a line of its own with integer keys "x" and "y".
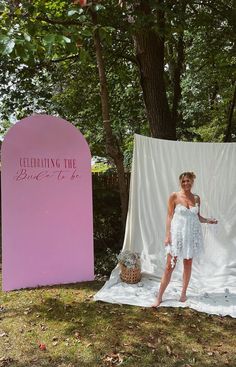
{"x": 186, "y": 278}
{"x": 165, "y": 280}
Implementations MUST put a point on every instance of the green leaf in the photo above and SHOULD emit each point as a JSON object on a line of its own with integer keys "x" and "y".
{"x": 27, "y": 37}
{"x": 21, "y": 52}
{"x": 2, "y": 48}
{"x": 86, "y": 32}
{"x": 74, "y": 11}
{"x": 18, "y": 11}
{"x": 4, "y": 38}
{"x": 66, "y": 39}
{"x": 9, "y": 47}
{"x": 2, "y": 8}
{"x": 105, "y": 36}
{"x": 99, "y": 7}
{"x": 83, "y": 55}
{"x": 49, "y": 39}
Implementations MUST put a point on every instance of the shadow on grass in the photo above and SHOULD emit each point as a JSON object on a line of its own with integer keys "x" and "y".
{"x": 164, "y": 337}
{"x": 112, "y": 326}
{"x": 47, "y": 361}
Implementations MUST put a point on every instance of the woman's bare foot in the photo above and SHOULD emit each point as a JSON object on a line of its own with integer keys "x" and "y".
{"x": 156, "y": 303}
{"x": 183, "y": 298}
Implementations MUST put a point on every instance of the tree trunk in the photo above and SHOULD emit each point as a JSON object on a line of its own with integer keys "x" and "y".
{"x": 149, "y": 47}
{"x": 177, "y": 79}
{"x": 112, "y": 145}
{"x": 228, "y": 132}
{"x": 177, "y": 71}
{"x": 227, "y": 137}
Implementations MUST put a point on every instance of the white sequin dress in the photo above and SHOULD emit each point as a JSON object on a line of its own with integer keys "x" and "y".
{"x": 186, "y": 233}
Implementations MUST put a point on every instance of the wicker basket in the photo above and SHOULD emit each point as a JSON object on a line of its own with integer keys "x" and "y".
{"x": 130, "y": 276}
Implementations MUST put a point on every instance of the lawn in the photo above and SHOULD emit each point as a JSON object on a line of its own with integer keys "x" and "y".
{"x": 61, "y": 326}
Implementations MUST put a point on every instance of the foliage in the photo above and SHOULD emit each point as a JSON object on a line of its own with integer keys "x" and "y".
{"x": 210, "y": 73}
{"x": 105, "y": 261}
{"x": 59, "y": 76}
{"x": 4, "y": 127}
{"x": 107, "y": 214}
{"x": 49, "y": 65}
{"x": 100, "y": 167}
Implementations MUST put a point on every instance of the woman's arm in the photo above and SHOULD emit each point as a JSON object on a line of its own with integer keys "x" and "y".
{"x": 170, "y": 213}
{"x": 202, "y": 219}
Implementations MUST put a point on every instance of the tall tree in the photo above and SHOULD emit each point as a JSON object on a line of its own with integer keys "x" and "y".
{"x": 149, "y": 39}
{"x": 112, "y": 146}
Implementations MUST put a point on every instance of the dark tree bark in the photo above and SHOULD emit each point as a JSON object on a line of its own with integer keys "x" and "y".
{"x": 177, "y": 72}
{"x": 228, "y": 132}
{"x": 149, "y": 45}
{"x": 112, "y": 145}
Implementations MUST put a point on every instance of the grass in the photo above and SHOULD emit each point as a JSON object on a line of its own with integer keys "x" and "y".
{"x": 79, "y": 332}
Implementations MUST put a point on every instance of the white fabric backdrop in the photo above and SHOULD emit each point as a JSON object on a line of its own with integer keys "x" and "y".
{"x": 155, "y": 171}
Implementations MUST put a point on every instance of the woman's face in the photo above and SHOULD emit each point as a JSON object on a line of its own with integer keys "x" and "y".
{"x": 186, "y": 183}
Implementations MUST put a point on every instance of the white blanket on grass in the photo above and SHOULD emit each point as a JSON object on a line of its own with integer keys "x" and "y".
{"x": 155, "y": 170}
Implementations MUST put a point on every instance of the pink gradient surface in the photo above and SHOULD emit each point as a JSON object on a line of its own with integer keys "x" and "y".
{"x": 46, "y": 204}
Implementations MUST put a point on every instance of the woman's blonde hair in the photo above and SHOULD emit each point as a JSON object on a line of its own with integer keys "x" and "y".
{"x": 190, "y": 175}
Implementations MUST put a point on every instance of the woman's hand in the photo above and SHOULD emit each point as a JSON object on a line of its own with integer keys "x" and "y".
{"x": 212, "y": 221}
{"x": 167, "y": 240}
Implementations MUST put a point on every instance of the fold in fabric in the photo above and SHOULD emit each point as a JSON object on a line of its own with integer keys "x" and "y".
{"x": 156, "y": 167}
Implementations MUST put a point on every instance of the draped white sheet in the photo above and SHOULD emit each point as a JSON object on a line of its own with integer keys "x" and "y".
{"x": 155, "y": 171}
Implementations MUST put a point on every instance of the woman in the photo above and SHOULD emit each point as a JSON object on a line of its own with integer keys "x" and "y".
{"x": 184, "y": 237}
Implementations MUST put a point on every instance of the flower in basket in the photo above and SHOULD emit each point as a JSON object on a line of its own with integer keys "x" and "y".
{"x": 129, "y": 259}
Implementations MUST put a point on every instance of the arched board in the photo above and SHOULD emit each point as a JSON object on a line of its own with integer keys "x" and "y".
{"x": 46, "y": 204}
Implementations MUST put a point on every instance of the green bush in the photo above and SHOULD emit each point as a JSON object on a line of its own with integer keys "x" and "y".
{"x": 108, "y": 234}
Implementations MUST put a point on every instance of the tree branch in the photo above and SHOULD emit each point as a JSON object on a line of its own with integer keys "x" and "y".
{"x": 71, "y": 57}
{"x": 58, "y": 21}
{"x": 121, "y": 55}
{"x": 53, "y": 61}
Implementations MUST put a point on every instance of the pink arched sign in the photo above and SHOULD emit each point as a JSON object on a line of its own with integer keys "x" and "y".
{"x": 46, "y": 204}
